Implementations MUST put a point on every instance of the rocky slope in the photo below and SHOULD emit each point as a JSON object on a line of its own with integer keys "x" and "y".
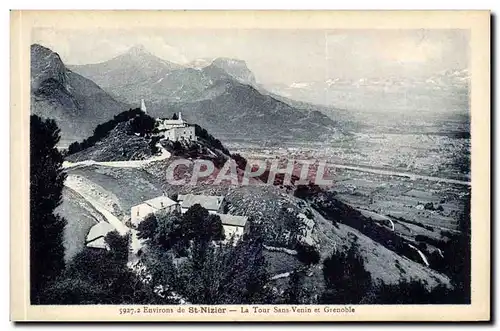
{"x": 235, "y": 109}
{"x": 75, "y": 102}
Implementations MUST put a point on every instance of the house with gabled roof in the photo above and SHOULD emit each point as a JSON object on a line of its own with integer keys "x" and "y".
{"x": 139, "y": 212}
{"x": 234, "y": 226}
{"x": 213, "y": 203}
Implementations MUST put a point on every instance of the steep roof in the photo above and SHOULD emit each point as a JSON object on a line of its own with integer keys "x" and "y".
{"x": 210, "y": 202}
{"x": 160, "y": 202}
{"x": 174, "y": 122}
{"x": 233, "y": 220}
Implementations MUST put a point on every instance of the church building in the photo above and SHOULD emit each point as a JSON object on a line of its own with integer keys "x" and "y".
{"x": 176, "y": 130}
{"x": 173, "y": 130}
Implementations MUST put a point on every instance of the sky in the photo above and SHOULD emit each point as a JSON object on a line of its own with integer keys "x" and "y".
{"x": 278, "y": 56}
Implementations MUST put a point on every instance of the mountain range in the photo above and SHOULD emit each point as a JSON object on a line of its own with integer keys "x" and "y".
{"x": 219, "y": 94}
{"x": 382, "y": 93}
{"x": 75, "y": 102}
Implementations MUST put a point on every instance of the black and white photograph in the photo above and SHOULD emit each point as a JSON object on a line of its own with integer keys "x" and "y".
{"x": 269, "y": 168}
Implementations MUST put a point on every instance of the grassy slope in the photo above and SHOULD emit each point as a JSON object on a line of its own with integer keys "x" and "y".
{"x": 80, "y": 217}
{"x": 384, "y": 264}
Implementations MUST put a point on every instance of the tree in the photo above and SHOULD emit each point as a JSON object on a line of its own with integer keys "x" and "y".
{"x": 223, "y": 274}
{"x": 175, "y": 117}
{"x": 46, "y": 184}
{"x": 142, "y": 124}
{"x": 201, "y": 225}
{"x": 208, "y": 271}
{"x": 119, "y": 246}
{"x": 152, "y": 144}
{"x": 147, "y": 228}
{"x": 296, "y": 293}
{"x": 250, "y": 256}
{"x": 346, "y": 280}
{"x": 307, "y": 254}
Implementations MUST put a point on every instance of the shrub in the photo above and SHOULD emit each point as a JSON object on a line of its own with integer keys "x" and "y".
{"x": 346, "y": 279}
{"x": 412, "y": 291}
{"x": 241, "y": 162}
{"x": 204, "y": 135}
{"x": 152, "y": 145}
{"x": 307, "y": 254}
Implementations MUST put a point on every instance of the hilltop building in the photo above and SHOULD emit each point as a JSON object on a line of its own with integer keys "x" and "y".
{"x": 173, "y": 130}
{"x": 176, "y": 130}
{"x": 167, "y": 124}
{"x": 184, "y": 133}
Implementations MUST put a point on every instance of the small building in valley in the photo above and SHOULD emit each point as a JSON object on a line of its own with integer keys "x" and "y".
{"x": 213, "y": 203}
{"x": 139, "y": 212}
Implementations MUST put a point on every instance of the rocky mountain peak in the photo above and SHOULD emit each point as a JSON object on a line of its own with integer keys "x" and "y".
{"x": 45, "y": 64}
{"x": 238, "y": 69}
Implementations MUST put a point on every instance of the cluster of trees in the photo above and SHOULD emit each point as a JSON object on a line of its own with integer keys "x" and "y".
{"x": 307, "y": 254}
{"x": 430, "y": 206}
{"x": 211, "y": 140}
{"x": 185, "y": 257}
{"x": 140, "y": 123}
{"x": 98, "y": 276}
{"x": 176, "y": 232}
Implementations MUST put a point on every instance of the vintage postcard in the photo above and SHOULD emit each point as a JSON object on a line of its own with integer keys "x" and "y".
{"x": 250, "y": 166}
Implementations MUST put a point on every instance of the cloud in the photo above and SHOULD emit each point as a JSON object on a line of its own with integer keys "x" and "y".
{"x": 410, "y": 51}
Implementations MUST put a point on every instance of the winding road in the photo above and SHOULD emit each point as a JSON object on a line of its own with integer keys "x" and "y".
{"x": 121, "y": 164}
{"x": 74, "y": 183}
{"x": 379, "y": 217}
{"x": 400, "y": 174}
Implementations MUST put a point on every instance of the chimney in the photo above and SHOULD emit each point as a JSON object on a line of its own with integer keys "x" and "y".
{"x": 143, "y": 106}
{"x": 180, "y": 116}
